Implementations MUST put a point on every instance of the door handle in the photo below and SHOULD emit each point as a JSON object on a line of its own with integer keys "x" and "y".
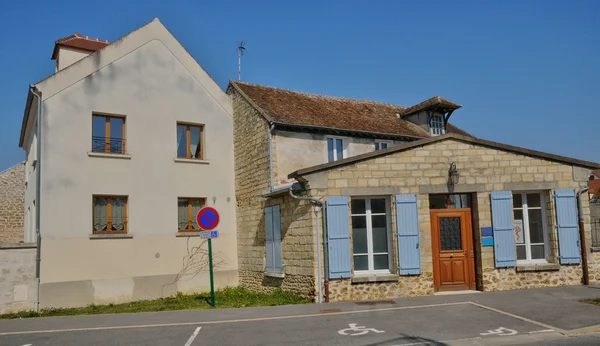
{"x": 451, "y": 256}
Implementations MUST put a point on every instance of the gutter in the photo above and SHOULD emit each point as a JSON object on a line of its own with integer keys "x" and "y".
{"x": 317, "y": 207}
{"x": 584, "y": 262}
{"x": 33, "y": 90}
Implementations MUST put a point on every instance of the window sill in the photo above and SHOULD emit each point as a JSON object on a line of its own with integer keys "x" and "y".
{"x": 109, "y": 155}
{"x": 202, "y": 162}
{"x": 595, "y": 249}
{"x": 538, "y": 267}
{"x": 372, "y": 278}
{"x": 111, "y": 236}
{"x": 275, "y": 275}
{"x": 188, "y": 234}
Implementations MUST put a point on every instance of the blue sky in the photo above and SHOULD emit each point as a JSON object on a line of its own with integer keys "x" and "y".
{"x": 526, "y": 72}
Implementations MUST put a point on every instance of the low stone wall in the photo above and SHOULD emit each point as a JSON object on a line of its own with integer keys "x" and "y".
{"x": 510, "y": 279}
{"x": 594, "y": 267}
{"x": 17, "y": 278}
{"x": 258, "y": 281}
{"x": 406, "y": 286}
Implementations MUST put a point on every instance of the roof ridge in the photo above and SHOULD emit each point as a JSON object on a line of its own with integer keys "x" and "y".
{"x": 323, "y": 96}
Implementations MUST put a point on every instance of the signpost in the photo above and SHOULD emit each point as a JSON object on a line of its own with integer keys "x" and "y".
{"x": 208, "y": 220}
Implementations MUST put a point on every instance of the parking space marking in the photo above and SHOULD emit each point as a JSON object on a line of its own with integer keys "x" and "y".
{"x": 194, "y": 335}
{"x": 230, "y": 321}
{"x": 542, "y": 331}
{"x": 519, "y": 317}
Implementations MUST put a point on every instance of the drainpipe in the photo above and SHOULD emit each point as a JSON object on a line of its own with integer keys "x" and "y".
{"x": 38, "y": 175}
{"x": 271, "y": 129}
{"x": 317, "y": 207}
{"x": 584, "y": 262}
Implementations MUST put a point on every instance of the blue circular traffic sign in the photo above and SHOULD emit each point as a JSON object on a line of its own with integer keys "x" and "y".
{"x": 207, "y": 218}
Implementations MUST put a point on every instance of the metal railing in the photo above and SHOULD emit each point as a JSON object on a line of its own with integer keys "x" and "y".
{"x": 108, "y": 145}
{"x": 595, "y": 232}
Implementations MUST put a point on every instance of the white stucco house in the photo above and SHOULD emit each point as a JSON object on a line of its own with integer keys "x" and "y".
{"x": 124, "y": 143}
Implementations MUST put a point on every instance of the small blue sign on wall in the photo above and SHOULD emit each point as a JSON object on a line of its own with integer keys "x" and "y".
{"x": 488, "y": 241}
{"x": 487, "y": 231}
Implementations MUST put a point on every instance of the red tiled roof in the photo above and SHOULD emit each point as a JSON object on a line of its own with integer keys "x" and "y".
{"x": 434, "y": 102}
{"x": 303, "y": 109}
{"x": 594, "y": 186}
{"x": 79, "y": 42}
{"x": 596, "y": 172}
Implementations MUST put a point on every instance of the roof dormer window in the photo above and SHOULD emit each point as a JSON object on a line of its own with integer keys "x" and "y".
{"x": 436, "y": 124}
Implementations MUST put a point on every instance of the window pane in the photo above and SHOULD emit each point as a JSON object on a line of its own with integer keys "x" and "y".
{"x": 181, "y": 141}
{"x": 339, "y": 149}
{"x": 537, "y": 252}
{"x": 533, "y": 200}
{"x": 358, "y": 206}
{"x": 116, "y": 135}
{"x": 450, "y": 233}
{"x": 460, "y": 201}
{"x": 196, "y": 206}
{"x": 379, "y": 221}
{"x": 437, "y": 202}
{"x": 380, "y": 239}
{"x": 517, "y": 200}
{"x": 98, "y": 133}
{"x": 359, "y": 234}
{"x": 521, "y": 252}
{"x": 118, "y": 214}
{"x": 518, "y": 214}
{"x": 381, "y": 262}
{"x": 330, "y": 156}
{"x": 384, "y": 145}
{"x": 195, "y": 145}
{"x": 100, "y": 217}
{"x": 182, "y": 213}
{"x": 378, "y": 206}
{"x": 377, "y": 146}
{"x": 361, "y": 262}
{"x": 536, "y": 229}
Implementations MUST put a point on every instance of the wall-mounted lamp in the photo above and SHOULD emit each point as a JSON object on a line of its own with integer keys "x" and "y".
{"x": 453, "y": 174}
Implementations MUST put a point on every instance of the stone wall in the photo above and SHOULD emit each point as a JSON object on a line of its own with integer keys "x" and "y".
{"x": 423, "y": 171}
{"x": 251, "y": 143}
{"x": 12, "y": 202}
{"x": 17, "y": 279}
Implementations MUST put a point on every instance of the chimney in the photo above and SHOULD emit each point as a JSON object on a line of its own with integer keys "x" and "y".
{"x": 69, "y": 50}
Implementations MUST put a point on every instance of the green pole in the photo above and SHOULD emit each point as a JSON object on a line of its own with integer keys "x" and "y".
{"x": 212, "y": 283}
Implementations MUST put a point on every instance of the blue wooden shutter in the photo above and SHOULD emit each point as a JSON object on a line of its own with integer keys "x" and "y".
{"x": 407, "y": 227}
{"x": 567, "y": 225}
{"x": 277, "y": 254}
{"x": 502, "y": 223}
{"x": 269, "y": 238}
{"x": 338, "y": 237}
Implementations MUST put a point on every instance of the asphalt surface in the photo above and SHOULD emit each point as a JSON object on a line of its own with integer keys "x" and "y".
{"x": 532, "y": 317}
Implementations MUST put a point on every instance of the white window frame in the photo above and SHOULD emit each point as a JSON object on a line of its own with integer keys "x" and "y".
{"x": 387, "y": 143}
{"x": 335, "y": 153}
{"x": 525, "y": 210}
{"x": 370, "y": 254}
{"x": 437, "y": 120}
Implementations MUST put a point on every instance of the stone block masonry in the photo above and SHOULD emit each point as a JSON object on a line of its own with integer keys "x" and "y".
{"x": 12, "y": 204}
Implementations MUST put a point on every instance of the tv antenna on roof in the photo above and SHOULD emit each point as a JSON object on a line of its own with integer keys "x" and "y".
{"x": 241, "y": 50}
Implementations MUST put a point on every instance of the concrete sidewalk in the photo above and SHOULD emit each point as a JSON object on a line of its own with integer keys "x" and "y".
{"x": 551, "y": 308}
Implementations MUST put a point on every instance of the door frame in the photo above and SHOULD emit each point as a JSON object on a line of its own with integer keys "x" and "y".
{"x": 464, "y": 214}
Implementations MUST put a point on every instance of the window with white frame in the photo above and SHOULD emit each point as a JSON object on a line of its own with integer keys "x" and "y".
{"x": 335, "y": 149}
{"x": 529, "y": 226}
{"x": 436, "y": 124}
{"x": 370, "y": 236}
{"x": 382, "y": 145}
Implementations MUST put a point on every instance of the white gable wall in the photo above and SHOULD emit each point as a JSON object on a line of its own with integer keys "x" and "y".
{"x": 154, "y": 89}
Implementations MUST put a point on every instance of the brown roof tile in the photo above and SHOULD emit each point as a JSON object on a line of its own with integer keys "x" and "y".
{"x": 594, "y": 186}
{"x": 434, "y": 102}
{"x": 79, "y": 42}
{"x": 312, "y": 110}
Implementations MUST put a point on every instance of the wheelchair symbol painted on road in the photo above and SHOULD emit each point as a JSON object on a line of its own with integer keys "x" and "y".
{"x": 500, "y": 332}
{"x": 354, "y": 330}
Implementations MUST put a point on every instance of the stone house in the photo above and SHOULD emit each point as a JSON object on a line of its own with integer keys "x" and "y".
{"x": 135, "y": 137}
{"x": 12, "y": 201}
{"x": 435, "y": 211}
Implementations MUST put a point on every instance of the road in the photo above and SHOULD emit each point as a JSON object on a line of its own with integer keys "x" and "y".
{"x": 421, "y": 321}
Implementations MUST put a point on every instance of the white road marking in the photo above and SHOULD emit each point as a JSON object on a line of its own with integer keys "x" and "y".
{"x": 194, "y": 335}
{"x": 542, "y": 331}
{"x": 354, "y": 330}
{"x": 518, "y": 317}
{"x": 500, "y": 331}
{"x": 230, "y": 321}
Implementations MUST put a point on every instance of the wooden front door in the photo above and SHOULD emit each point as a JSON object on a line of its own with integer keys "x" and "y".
{"x": 452, "y": 248}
